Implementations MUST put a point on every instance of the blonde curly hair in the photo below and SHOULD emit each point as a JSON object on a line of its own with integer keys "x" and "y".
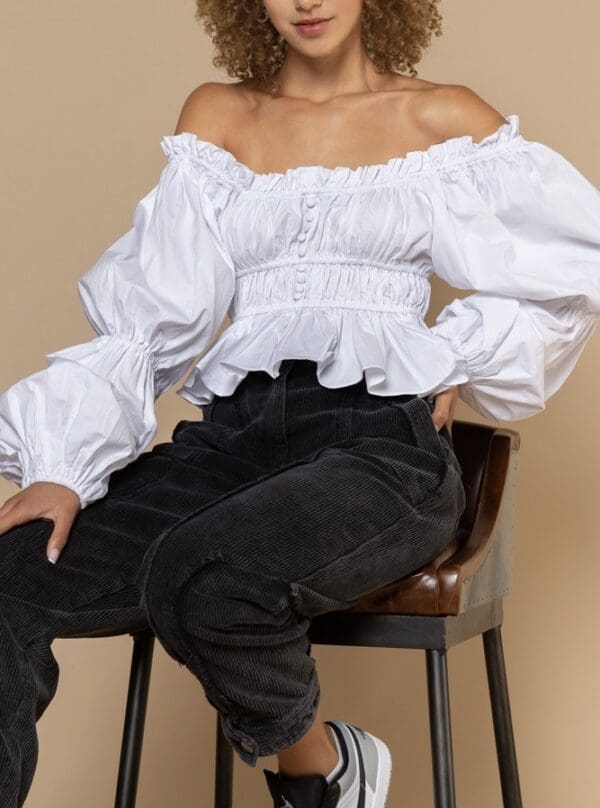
{"x": 395, "y": 34}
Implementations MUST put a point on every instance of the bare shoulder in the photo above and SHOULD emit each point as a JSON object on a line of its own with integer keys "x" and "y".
{"x": 453, "y": 110}
{"x": 209, "y": 110}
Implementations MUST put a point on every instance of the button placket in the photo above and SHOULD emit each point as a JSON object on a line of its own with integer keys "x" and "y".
{"x": 300, "y": 281}
{"x": 308, "y": 216}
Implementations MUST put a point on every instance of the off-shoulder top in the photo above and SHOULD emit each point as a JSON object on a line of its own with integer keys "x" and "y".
{"x": 328, "y": 264}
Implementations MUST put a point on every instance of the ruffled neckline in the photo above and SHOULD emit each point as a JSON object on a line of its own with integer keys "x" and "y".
{"x": 446, "y": 154}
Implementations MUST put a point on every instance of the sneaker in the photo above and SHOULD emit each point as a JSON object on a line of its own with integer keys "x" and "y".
{"x": 362, "y": 782}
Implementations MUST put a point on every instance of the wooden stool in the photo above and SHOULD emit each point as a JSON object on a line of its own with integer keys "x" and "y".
{"x": 456, "y": 596}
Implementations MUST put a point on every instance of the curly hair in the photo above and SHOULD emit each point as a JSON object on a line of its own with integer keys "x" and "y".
{"x": 395, "y": 33}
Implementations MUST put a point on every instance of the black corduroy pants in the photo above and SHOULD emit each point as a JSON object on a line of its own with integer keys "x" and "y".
{"x": 287, "y": 500}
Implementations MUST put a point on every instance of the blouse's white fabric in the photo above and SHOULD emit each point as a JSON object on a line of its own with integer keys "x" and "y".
{"x": 326, "y": 264}
{"x": 155, "y": 297}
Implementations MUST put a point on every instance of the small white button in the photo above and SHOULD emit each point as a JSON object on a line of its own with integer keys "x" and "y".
{"x": 310, "y": 201}
{"x": 301, "y": 237}
{"x": 302, "y": 251}
{"x": 310, "y": 217}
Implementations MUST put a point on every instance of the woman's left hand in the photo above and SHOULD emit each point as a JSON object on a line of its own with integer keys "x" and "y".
{"x": 445, "y": 403}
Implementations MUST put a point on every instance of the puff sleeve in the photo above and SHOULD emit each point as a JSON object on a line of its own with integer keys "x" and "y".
{"x": 155, "y": 298}
{"x": 520, "y": 225}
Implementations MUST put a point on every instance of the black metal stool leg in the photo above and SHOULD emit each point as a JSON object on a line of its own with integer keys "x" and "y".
{"x": 223, "y": 770}
{"x": 440, "y": 729}
{"x": 503, "y": 730}
{"x": 135, "y": 715}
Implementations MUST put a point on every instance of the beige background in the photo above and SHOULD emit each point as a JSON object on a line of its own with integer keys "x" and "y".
{"x": 88, "y": 90}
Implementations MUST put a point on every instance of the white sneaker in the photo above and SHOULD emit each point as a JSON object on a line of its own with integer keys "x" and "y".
{"x": 362, "y": 782}
{"x": 365, "y": 781}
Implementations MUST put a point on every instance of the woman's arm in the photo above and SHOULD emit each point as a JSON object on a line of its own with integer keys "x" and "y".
{"x": 521, "y": 226}
{"x": 155, "y": 299}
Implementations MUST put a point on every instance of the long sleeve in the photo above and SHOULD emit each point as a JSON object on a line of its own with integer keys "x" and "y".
{"x": 155, "y": 298}
{"x": 520, "y": 225}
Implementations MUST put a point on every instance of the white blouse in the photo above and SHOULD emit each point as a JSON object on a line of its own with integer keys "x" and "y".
{"x": 328, "y": 264}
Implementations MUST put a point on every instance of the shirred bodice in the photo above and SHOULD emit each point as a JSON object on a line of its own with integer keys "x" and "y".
{"x": 329, "y": 264}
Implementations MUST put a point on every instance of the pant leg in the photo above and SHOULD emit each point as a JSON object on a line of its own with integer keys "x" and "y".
{"x": 232, "y": 588}
{"x": 93, "y": 584}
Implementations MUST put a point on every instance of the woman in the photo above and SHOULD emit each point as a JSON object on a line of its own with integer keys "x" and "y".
{"x": 310, "y": 201}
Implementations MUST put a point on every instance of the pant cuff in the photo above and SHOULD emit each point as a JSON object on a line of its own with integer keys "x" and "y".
{"x": 269, "y": 738}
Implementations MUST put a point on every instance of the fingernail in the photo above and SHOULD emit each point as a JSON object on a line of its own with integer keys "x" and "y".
{"x": 53, "y": 555}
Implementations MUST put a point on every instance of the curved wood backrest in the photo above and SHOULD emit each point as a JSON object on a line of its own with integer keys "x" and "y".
{"x": 475, "y": 566}
{"x": 471, "y": 447}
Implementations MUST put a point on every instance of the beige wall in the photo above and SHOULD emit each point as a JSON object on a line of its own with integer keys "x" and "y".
{"x": 88, "y": 89}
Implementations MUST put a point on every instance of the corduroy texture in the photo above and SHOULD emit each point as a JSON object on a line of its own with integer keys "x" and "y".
{"x": 288, "y": 500}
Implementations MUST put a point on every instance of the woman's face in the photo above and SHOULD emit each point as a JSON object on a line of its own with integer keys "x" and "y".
{"x": 343, "y": 18}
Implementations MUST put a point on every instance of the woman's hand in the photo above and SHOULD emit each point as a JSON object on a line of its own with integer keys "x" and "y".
{"x": 43, "y": 500}
{"x": 445, "y": 403}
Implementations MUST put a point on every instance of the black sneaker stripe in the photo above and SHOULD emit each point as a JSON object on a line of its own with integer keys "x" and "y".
{"x": 361, "y": 769}
{"x": 344, "y": 747}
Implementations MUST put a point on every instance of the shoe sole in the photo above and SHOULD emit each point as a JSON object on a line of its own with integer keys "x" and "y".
{"x": 384, "y": 768}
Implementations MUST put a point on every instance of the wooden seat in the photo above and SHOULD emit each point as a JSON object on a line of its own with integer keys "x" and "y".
{"x": 455, "y": 597}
